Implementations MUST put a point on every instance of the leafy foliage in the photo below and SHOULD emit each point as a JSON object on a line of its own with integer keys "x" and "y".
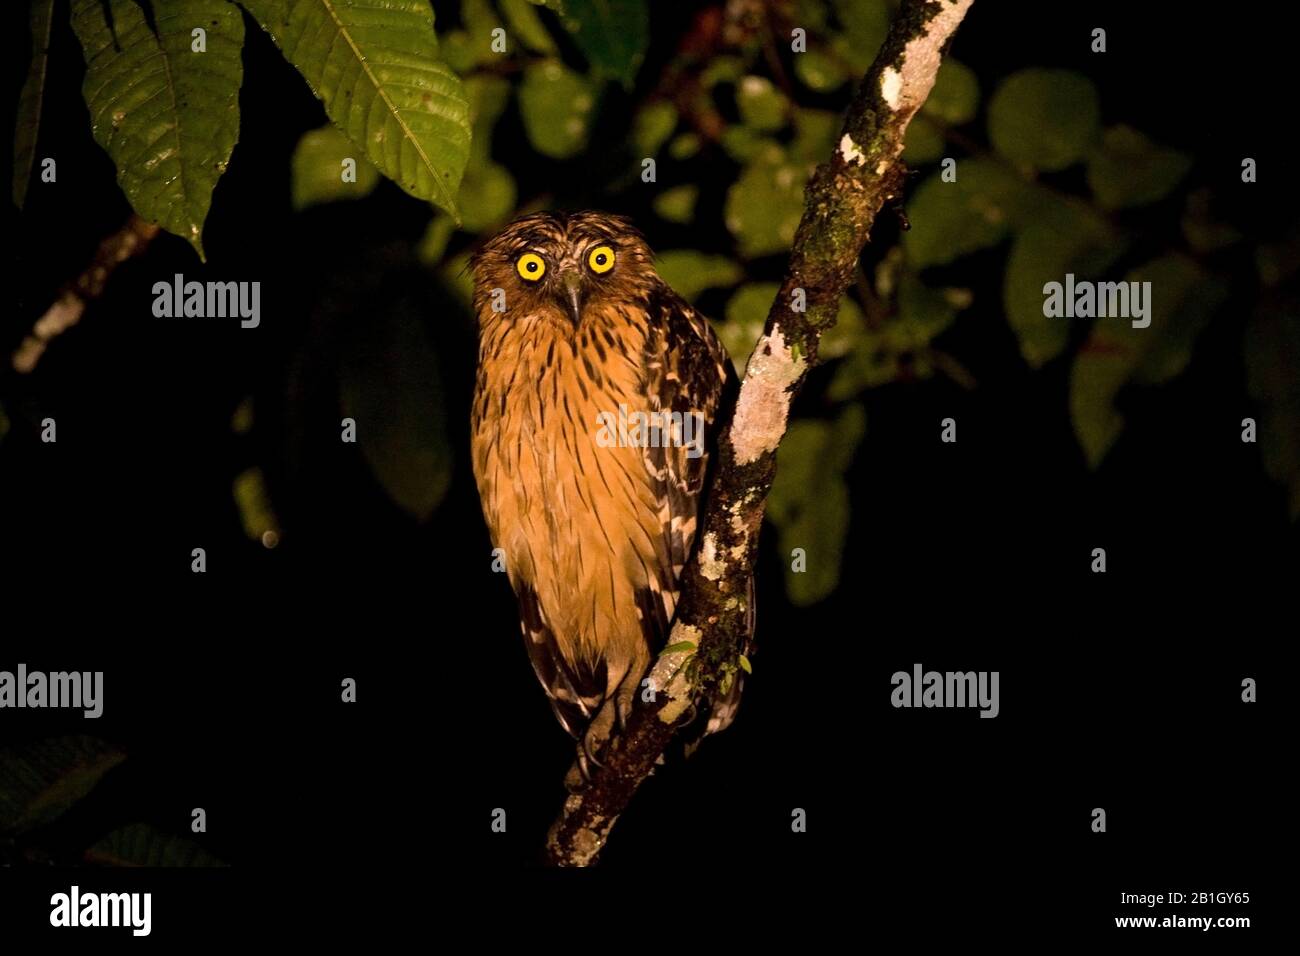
{"x": 374, "y": 64}
{"x": 167, "y": 115}
{"x": 476, "y": 118}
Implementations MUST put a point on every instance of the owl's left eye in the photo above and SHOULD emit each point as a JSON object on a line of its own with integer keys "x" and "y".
{"x": 601, "y": 259}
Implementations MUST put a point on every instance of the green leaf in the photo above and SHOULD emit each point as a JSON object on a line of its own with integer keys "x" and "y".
{"x": 487, "y": 196}
{"x": 684, "y": 146}
{"x": 1272, "y": 353}
{"x": 924, "y": 142}
{"x": 556, "y": 104}
{"x": 652, "y": 127}
{"x": 40, "y": 780}
{"x": 1045, "y": 119}
{"x": 743, "y": 144}
{"x": 457, "y": 52}
{"x": 527, "y": 26}
{"x": 765, "y": 204}
{"x": 956, "y": 94}
{"x": 1045, "y": 252}
{"x": 689, "y": 272}
{"x": 950, "y": 220}
{"x": 488, "y": 96}
{"x": 139, "y": 844}
{"x": 809, "y": 502}
{"x": 433, "y": 244}
{"x": 816, "y": 133}
{"x": 745, "y": 665}
{"x": 761, "y": 105}
{"x": 168, "y": 117}
{"x": 819, "y": 72}
{"x": 866, "y": 24}
{"x": 391, "y": 385}
{"x": 677, "y": 204}
{"x": 678, "y": 648}
{"x": 374, "y": 65}
{"x": 612, "y": 34}
{"x": 721, "y": 69}
{"x": 480, "y": 20}
{"x": 29, "y": 99}
{"x": 317, "y": 169}
{"x": 876, "y": 356}
{"x": 1182, "y": 301}
{"x": 1130, "y": 170}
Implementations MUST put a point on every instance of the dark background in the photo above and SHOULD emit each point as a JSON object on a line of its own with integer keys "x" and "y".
{"x": 1119, "y": 690}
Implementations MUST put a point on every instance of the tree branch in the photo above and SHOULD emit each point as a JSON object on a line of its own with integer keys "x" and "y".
{"x": 131, "y": 240}
{"x": 841, "y": 202}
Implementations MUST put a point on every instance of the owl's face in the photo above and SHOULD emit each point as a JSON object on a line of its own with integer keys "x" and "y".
{"x": 557, "y": 266}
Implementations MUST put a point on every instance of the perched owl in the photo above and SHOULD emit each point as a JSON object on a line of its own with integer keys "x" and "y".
{"x": 578, "y": 334}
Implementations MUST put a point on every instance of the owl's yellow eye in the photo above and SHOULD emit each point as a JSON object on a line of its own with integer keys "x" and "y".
{"x": 601, "y": 259}
{"x": 530, "y": 266}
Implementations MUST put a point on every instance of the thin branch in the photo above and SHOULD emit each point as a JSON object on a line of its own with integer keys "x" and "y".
{"x": 841, "y": 203}
{"x": 131, "y": 240}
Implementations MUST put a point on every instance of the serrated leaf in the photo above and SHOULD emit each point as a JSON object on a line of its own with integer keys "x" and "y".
{"x": 556, "y": 105}
{"x": 168, "y": 117}
{"x": 317, "y": 169}
{"x": 679, "y": 647}
{"x": 374, "y": 65}
{"x": 27, "y": 123}
{"x": 139, "y": 844}
{"x": 612, "y": 34}
{"x": 40, "y": 780}
{"x": 391, "y": 385}
{"x": 1045, "y": 119}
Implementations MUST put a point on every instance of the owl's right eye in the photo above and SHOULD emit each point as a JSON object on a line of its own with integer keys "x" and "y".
{"x": 530, "y": 267}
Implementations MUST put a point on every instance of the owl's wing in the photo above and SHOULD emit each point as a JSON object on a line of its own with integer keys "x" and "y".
{"x": 688, "y": 372}
{"x": 573, "y": 698}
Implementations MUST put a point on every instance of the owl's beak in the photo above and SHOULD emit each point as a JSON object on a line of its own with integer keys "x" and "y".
{"x": 571, "y": 283}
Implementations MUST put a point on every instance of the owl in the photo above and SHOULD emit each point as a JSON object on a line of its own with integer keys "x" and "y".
{"x": 595, "y": 406}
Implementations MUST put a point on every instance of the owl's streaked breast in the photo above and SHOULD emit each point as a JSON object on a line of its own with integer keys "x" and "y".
{"x": 544, "y": 477}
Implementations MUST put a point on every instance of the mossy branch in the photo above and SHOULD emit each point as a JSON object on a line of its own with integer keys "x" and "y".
{"x": 840, "y": 204}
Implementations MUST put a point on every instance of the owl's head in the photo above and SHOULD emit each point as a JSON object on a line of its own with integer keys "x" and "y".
{"x": 555, "y": 265}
